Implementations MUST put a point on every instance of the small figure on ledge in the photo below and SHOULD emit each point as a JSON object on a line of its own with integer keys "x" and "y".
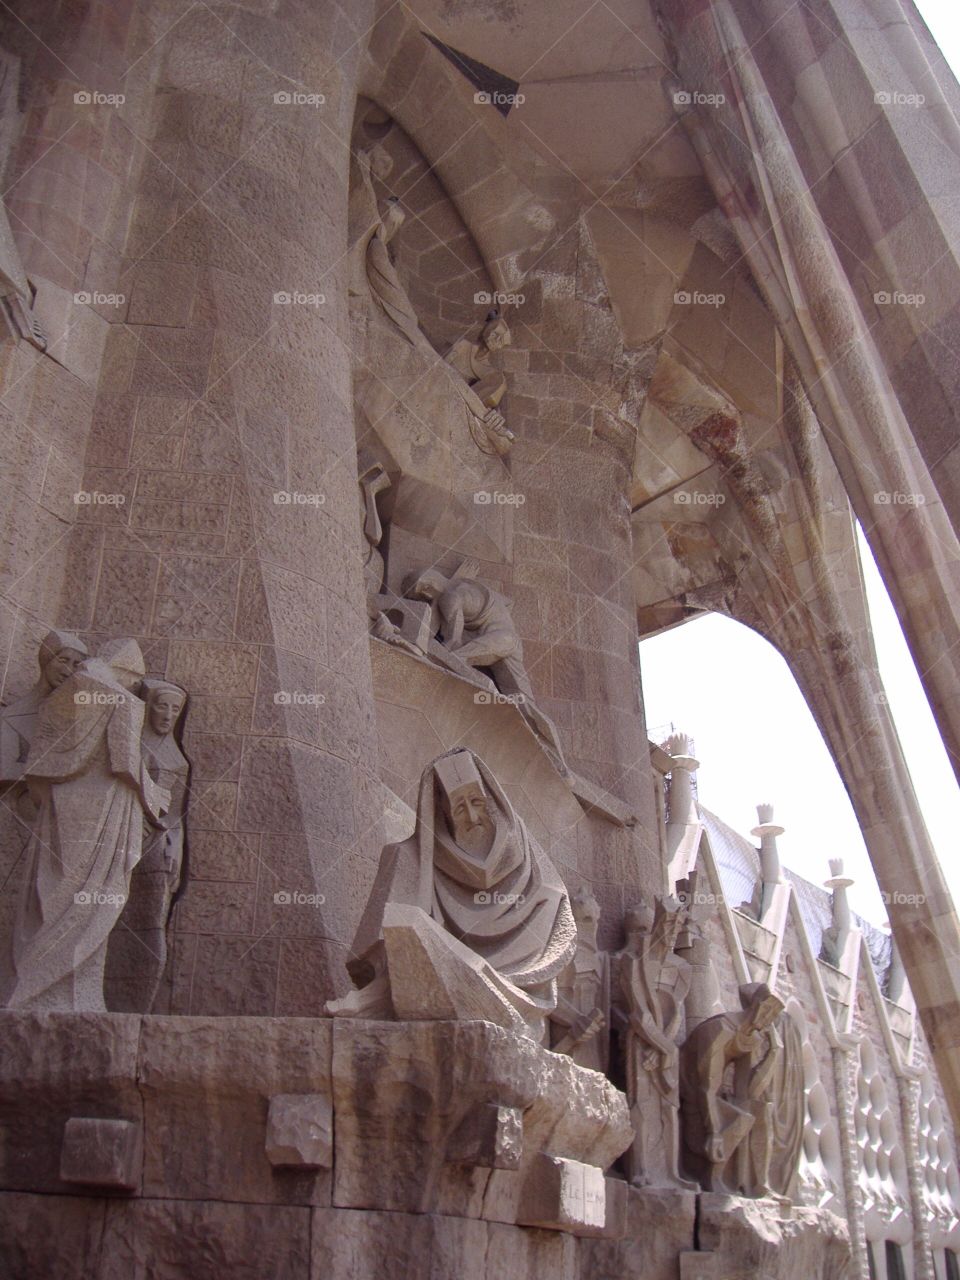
{"x": 582, "y": 1017}
{"x": 473, "y": 360}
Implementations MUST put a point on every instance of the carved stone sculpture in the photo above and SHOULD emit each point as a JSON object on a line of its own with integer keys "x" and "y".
{"x": 581, "y": 1020}
{"x": 473, "y": 360}
{"x": 91, "y": 788}
{"x": 476, "y": 627}
{"x": 650, "y": 983}
{"x": 137, "y": 952}
{"x": 467, "y": 918}
{"x": 728, "y": 1067}
{"x": 60, "y": 654}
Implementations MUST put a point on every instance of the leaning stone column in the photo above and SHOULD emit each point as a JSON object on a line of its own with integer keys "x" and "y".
{"x": 908, "y": 1088}
{"x": 844, "y": 1056}
{"x": 223, "y": 418}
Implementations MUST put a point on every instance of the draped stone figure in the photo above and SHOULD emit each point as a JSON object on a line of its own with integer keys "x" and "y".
{"x": 473, "y": 360}
{"x": 468, "y": 917}
{"x": 581, "y": 1020}
{"x": 91, "y": 789}
{"x": 650, "y": 984}
{"x": 772, "y": 1150}
{"x": 137, "y": 952}
{"x": 476, "y": 627}
{"x": 728, "y": 1066}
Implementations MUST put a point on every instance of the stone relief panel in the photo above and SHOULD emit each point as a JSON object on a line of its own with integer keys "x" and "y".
{"x": 883, "y": 1170}
{"x": 821, "y": 1168}
{"x": 940, "y": 1184}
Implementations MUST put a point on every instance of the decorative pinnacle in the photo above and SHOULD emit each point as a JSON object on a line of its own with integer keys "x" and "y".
{"x": 766, "y": 825}
{"x": 837, "y": 879}
{"x": 679, "y": 746}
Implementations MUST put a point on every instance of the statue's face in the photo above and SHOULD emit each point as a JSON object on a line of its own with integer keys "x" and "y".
{"x": 496, "y": 336}
{"x": 163, "y": 709}
{"x": 468, "y": 816}
{"x": 58, "y": 668}
{"x": 393, "y": 220}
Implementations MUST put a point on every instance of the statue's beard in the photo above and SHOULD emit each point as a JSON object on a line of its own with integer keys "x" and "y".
{"x": 478, "y": 840}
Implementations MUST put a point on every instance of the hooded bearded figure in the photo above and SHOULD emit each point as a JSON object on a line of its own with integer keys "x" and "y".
{"x": 473, "y": 869}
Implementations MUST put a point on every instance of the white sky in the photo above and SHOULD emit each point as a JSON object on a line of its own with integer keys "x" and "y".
{"x": 757, "y": 741}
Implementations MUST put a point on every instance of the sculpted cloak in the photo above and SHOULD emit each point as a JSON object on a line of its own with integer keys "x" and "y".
{"x": 86, "y": 773}
{"x": 511, "y": 908}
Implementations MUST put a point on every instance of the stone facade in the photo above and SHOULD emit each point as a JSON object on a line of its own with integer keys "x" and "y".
{"x": 373, "y": 378}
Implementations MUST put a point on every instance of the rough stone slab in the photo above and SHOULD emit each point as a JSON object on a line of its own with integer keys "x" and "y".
{"x": 698, "y": 1266}
{"x": 207, "y": 1085}
{"x": 402, "y": 1089}
{"x": 50, "y": 1236}
{"x": 365, "y": 1245}
{"x": 751, "y": 1237}
{"x": 300, "y": 1131}
{"x": 562, "y": 1195}
{"x": 56, "y": 1066}
{"x": 659, "y": 1227}
{"x": 102, "y": 1153}
{"x": 177, "y": 1240}
{"x": 490, "y": 1136}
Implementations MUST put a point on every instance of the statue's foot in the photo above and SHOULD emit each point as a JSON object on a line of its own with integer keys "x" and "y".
{"x": 371, "y": 1001}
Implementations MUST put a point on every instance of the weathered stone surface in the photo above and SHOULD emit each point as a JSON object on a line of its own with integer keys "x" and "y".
{"x": 563, "y": 1195}
{"x": 207, "y": 1084}
{"x": 55, "y": 1067}
{"x": 402, "y": 1089}
{"x": 102, "y": 1153}
{"x": 491, "y": 1136}
{"x": 300, "y": 1131}
{"x": 45, "y": 1235}
{"x": 659, "y": 1227}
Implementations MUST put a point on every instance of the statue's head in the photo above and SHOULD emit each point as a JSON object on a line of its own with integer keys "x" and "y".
{"x": 496, "y": 332}
{"x": 60, "y": 654}
{"x": 125, "y": 661}
{"x": 760, "y": 1004}
{"x": 165, "y": 701}
{"x": 637, "y": 920}
{"x": 586, "y": 913}
{"x": 424, "y": 584}
{"x": 393, "y": 217}
{"x": 464, "y": 803}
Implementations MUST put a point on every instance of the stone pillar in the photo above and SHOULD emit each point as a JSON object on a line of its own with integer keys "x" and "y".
{"x": 908, "y": 1089}
{"x": 845, "y": 1085}
{"x": 223, "y": 427}
{"x": 770, "y": 875}
{"x": 683, "y": 819}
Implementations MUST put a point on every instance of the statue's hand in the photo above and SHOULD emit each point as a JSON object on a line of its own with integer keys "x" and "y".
{"x": 496, "y": 422}
{"x": 715, "y": 1149}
